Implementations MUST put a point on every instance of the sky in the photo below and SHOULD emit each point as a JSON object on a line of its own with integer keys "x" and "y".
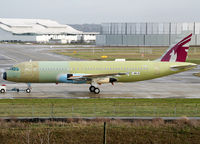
{"x": 103, "y": 11}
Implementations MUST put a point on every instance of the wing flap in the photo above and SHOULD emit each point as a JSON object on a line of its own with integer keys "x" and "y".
{"x": 92, "y": 76}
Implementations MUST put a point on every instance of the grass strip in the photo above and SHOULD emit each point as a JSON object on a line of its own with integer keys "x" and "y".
{"x": 99, "y": 107}
{"x": 128, "y": 53}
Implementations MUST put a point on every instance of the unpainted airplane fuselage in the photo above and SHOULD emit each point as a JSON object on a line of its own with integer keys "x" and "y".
{"x": 57, "y": 71}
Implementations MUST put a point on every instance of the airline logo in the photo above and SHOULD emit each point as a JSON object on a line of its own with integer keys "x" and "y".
{"x": 178, "y": 53}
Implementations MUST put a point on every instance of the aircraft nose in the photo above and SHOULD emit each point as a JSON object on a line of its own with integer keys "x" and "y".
{"x": 4, "y": 76}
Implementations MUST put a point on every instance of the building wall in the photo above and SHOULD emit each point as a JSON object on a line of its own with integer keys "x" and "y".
{"x": 141, "y": 40}
{"x": 7, "y": 36}
{"x": 101, "y": 40}
{"x": 89, "y": 38}
{"x": 58, "y": 38}
{"x": 145, "y": 34}
{"x": 133, "y": 40}
{"x": 43, "y": 38}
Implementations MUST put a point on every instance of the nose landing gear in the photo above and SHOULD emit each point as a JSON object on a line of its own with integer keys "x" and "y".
{"x": 94, "y": 89}
{"x": 28, "y": 90}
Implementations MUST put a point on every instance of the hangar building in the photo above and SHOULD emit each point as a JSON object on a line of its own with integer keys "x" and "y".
{"x": 39, "y": 30}
{"x": 145, "y": 34}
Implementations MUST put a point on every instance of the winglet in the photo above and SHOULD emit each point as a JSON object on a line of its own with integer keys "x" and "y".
{"x": 177, "y": 52}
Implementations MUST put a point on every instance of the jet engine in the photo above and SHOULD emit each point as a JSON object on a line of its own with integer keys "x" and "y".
{"x": 106, "y": 80}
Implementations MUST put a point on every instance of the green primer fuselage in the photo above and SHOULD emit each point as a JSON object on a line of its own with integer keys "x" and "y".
{"x": 52, "y": 71}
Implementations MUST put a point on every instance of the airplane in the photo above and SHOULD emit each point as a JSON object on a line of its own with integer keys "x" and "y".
{"x": 96, "y": 73}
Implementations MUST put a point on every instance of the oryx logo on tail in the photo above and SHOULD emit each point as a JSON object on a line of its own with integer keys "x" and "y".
{"x": 178, "y": 52}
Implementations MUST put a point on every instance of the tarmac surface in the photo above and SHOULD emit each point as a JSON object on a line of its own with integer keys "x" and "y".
{"x": 183, "y": 85}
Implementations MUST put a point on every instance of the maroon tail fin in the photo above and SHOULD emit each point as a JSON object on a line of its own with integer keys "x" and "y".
{"x": 178, "y": 52}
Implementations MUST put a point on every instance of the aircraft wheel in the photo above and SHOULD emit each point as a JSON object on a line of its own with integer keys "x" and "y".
{"x": 92, "y": 88}
{"x": 2, "y": 91}
{"x": 28, "y": 90}
{"x": 97, "y": 91}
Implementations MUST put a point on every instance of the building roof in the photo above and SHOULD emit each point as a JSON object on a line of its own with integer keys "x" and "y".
{"x": 35, "y": 27}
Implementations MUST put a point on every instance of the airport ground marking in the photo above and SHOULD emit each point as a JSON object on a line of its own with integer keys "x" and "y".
{"x": 9, "y": 57}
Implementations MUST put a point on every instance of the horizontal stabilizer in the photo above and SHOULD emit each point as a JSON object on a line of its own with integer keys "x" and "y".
{"x": 183, "y": 67}
{"x": 196, "y": 74}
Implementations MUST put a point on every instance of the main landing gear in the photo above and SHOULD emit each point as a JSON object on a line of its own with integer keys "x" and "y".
{"x": 94, "y": 89}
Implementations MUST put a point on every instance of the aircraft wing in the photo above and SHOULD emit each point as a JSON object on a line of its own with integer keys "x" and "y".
{"x": 92, "y": 76}
{"x": 182, "y": 67}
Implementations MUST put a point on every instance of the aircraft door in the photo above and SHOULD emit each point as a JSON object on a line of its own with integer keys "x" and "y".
{"x": 30, "y": 72}
{"x": 35, "y": 72}
{"x": 27, "y": 71}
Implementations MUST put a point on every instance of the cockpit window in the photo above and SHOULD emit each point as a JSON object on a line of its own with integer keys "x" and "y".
{"x": 14, "y": 69}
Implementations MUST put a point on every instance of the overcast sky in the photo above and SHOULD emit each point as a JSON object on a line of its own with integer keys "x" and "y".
{"x": 101, "y": 11}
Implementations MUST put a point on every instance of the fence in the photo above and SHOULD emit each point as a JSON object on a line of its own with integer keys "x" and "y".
{"x": 96, "y": 132}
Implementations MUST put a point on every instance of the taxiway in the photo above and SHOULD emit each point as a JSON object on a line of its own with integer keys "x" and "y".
{"x": 183, "y": 85}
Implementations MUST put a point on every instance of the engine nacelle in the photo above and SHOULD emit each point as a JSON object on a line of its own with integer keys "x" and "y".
{"x": 106, "y": 80}
{"x": 69, "y": 75}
